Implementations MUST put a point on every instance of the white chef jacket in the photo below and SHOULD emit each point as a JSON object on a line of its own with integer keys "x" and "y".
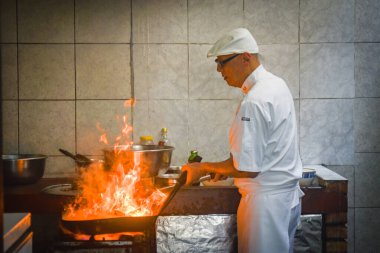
{"x": 263, "y": 138}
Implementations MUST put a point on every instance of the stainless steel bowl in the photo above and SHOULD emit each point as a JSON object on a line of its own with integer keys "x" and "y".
{"x": 23, "y": 169}
{"x": 149, "y": 158}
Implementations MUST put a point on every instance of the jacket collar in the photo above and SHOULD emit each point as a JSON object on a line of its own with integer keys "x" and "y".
{"x": 252, "y": 79}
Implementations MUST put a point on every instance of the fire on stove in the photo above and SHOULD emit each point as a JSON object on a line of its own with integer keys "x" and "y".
{"x": 116, "y": 206}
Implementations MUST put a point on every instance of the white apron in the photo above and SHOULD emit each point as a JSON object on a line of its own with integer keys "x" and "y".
{"x": 267, "y": 220}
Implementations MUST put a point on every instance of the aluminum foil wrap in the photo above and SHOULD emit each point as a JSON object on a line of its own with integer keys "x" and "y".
{"x": 196, "y": 233}
{"x": 217, "y": 233}
{"x": 308, "y": 237}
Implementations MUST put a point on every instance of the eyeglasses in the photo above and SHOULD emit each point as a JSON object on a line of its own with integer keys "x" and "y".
{"x": 222, "y": 63}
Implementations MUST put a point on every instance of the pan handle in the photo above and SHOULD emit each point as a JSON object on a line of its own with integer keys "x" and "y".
{"x": 67, "y": 153}
{"x": 181, "y": 181}
{"x": 78, "y": 158}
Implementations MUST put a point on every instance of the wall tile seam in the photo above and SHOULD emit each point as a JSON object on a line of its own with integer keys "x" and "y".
{"x": 46, "y": 100}
{"x": 338, "y": 165}
{"x": 131, "y": 63}
{"x": 9, "y": 99}
{"x": 322, "y": 98}
{"x": 185, "y": 43}
{"x": 75, "y": 43}
{"x": 367, "y": 97}
{"x": 367, "y": 207}
{"x": 299, "y": 83}
{"x": 75, "y": 82}
{"x": 18, "y": 80}
{"x": 372, "y": 152}
{"x": 212, "y": 99}
{"x": 188, "y": 72}
{"x": 177, "y": 99}
{"x": 192, "y": 44}
{"x": 367, "y": 42}
{"x": 325, "y": 42}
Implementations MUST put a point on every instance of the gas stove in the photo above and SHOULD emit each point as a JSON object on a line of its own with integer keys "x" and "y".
{"x": 125, "y": 242}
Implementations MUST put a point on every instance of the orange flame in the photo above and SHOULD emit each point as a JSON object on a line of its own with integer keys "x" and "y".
{"x": 119, "y": 191}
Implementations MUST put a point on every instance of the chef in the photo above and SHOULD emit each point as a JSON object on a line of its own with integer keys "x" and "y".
{"x": 264, "y": 158}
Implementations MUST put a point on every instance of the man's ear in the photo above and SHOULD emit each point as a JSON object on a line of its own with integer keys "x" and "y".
{"x": 246, "y": 57}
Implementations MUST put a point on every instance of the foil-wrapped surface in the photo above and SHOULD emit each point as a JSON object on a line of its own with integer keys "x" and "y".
{"x": 218, "y": 233}
{"x": 308, "y": 237}
{"x": 196, "y": 233}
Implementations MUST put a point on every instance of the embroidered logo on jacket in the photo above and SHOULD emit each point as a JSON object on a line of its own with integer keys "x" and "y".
{"x": 245, "y": 119}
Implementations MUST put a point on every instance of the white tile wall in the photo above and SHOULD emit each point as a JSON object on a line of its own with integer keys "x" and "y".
{"x": 8, "y": 21}
{"x": 9, "y": 111}
{"x": 208, "y": 20}
{"x": 367, "y": 225}
{"x": 42, "y": 21}
{"x": 367, "y": 69}
{"x": 273, "y": 21}
{"x": 58, "y": 166}
{"x": 156, "y": 21}
{"x": 327, "y": 70}
{"x": 103, "y": 71}
{"x": 327, "y": 21}
{"x": 367, "y": 23}
{"x": 326, "y": 131}
{"x": 9, "y": 71}
{"x": 367, "y": 120}
{"x": 160, "y": 71}
{"x": 46, "y": 71}
{"x": 99, "y": 21}
{"x": 209, "y": 123}
{"x": 367, "y": 179}
{"x": 46, "y": 126}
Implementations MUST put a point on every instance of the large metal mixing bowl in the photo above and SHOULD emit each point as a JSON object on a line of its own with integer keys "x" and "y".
{"x": 23, "y": 169}
{"x": 149, "y": 158}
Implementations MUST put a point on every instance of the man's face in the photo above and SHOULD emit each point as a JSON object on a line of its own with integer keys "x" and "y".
{"x": 230, "y": 67}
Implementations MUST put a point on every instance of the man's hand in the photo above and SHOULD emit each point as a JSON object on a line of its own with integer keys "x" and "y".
{"x": 194, "y": 172}
{"x": 219, "y": 177}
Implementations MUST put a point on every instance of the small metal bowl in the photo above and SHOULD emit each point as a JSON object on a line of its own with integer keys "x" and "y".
{"x": 23, "y": 169}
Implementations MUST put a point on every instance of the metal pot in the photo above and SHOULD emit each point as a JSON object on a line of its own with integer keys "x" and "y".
{"x": 23, "y": 169}
{"x": 150, "y": 158}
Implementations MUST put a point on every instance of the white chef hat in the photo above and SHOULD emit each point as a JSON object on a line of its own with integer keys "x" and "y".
{"x": 236, "y": 41}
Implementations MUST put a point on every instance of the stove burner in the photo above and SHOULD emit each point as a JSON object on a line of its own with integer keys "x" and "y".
{"x": 125, "y": 242}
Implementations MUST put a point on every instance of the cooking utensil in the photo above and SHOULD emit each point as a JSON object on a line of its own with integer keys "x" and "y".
{"x": 60, "y": 189}
{"x": 150, "y": 158}
{"x": 23, "y": 169}
{"x": 80, "y": 160}
{"x": 120, "y": 224}
{"x": 168, "y": 177}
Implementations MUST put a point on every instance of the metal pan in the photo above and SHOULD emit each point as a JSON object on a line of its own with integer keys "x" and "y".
{"x": 120, "y": 224}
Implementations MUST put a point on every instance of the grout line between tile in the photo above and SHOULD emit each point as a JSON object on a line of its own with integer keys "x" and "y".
{"x": 18, "y": 82}
{"x": 188, "y": 75}
{"x": 75, "y": 85}
{"x": 131, "y": 65}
